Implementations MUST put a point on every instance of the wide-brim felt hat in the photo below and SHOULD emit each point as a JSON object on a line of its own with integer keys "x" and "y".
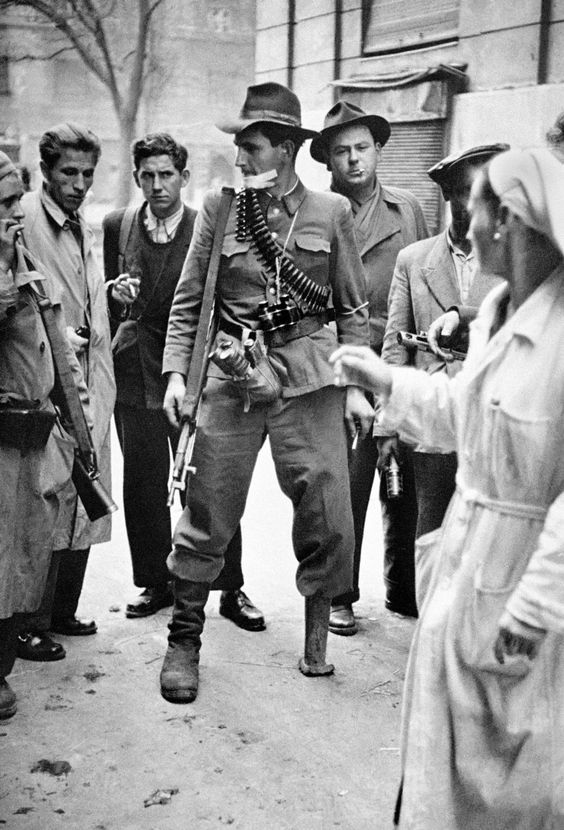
{"x": 268, "y": 103}
{"x": 442, "y": 172}
{"x": 344, "y": 114}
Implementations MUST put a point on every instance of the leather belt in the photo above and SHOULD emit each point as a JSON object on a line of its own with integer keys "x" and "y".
{"x": 307, "y": 325}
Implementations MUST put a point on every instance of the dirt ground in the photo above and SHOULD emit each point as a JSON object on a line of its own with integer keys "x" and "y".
{"x": 262, "y": 747}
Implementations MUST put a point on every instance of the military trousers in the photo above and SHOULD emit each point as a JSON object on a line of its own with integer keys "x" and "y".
{"x": 308, "y": 444}
{"x": 145, "y": 437}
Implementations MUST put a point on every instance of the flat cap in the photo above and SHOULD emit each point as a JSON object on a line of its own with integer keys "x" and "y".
{"x": 443, "y": 170}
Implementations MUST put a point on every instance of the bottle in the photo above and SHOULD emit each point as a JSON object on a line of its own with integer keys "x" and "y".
{"x": 394, "y": 478}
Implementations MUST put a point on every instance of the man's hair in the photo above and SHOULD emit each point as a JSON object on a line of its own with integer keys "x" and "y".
{"x": 555, "y": 136}
{"x": 67, "y": 136}
{"x": 278, "y": 133}
{"x": 159, "y": 144}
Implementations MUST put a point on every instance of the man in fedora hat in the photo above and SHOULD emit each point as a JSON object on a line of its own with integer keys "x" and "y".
{"x": 430, "y": 277}
{"x": 386, "y": 219}
{"x": 286, "y": 252}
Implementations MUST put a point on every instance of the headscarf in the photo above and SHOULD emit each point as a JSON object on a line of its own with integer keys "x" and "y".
{"x": 530, "y": 183}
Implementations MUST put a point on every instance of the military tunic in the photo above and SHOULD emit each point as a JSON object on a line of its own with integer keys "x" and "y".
{"x": 305, "y": 426}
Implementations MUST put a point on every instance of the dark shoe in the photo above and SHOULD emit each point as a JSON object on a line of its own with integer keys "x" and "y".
{"x": 180, "y": 672}
{"x": 405, "y": 610}
{"x": 237, "y": 607}
{"x": 8, "y": 706}
{"x": 342, "y": 621}
{"x": 73, "y": 627}
{"x": 313, "y": 662}
{"x": 149, "y": 602}
{"x": 39, "y": 647}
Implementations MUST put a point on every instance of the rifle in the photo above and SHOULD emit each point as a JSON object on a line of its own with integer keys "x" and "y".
{"x": 420, "y": 341}
{"x": 85, "y": 473}
{"x": 197, "y": 373}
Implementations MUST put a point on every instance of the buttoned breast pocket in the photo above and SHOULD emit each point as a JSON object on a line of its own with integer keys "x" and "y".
{"x": 311, "y": 255}
{"x": 240, "y": 272}
{"x": 522, "y": 446}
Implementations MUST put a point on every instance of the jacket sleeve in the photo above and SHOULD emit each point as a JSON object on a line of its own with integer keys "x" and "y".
{"x": 346, "y": 276}
{"x": 538, "y": 599}
{"x": 400, "y": 315}
{"x": 185, "y": 310}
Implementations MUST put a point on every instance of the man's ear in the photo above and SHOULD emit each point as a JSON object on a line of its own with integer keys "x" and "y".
{"x": 288, "y": 147}
{"x": 45, "y": 171}
{"x": 378, "y": 148}
{"x": 136, "y": 178}
{"x": 185, "y": 176}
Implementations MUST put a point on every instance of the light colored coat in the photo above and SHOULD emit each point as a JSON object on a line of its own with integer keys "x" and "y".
{"x": 482, "y": 742}
{"x": 423, "y": 287}
{"x": 31, "y": 482}
{"x": 81, "y": 283}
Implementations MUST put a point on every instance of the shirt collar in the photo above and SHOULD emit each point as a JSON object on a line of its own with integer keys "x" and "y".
{"x": 54, "y": 210}
{"x": 376, "y": 195}
{"x": 170, "y": 222}
{"x": 455, "y": 249}
{"x": 293, "y": 199}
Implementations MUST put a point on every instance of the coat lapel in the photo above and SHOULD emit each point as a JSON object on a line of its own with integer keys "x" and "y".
{"x": 440, "y": 278}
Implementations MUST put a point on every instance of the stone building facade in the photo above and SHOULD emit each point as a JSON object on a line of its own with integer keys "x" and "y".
{"x": 447, "y": 74}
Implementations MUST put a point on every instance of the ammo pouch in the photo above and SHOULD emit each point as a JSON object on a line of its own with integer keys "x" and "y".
{"x": 25, "y": 427}
{"x": 250, "y": 369}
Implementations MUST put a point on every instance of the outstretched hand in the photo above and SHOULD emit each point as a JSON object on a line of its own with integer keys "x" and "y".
{"x": 360, "y": 366}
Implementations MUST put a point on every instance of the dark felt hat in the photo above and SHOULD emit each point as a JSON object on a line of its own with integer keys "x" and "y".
{"x": 442, "y": 172}
{"x": 344, "y": 114}
{"x": 268, "y": 103}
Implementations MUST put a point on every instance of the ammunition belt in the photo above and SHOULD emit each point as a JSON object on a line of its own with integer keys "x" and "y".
{"x": 309, "y": 296}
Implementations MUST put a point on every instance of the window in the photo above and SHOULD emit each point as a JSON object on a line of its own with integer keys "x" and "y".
{"x": 399, "y": 25}
{"x": 4, "y": 75}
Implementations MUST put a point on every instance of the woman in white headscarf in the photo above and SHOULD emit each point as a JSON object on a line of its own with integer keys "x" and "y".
{"x": 483, "y": 716}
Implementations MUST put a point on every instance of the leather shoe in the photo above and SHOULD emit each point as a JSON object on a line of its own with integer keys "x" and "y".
{"x": 38, "y": 646}
{"x": 150, "y": 601}
{"x": 73, "y": 627}
{"x": 237, "y": 607}
{"x": 406, "y": 610}
{"x": 342, "y": 621}
{"x": 7, "y": 700}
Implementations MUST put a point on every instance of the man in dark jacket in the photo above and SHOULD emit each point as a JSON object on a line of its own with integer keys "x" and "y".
{"x": 386, "y": 219}
{"x": 144, "y": 250}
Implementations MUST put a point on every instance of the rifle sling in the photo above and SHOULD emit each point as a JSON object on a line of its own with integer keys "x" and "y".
{"x": 199, "y": 359}
{"x": 65, "y": 394}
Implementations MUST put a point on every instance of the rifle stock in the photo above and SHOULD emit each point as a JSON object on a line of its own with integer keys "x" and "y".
{"x": 198, "y": 370}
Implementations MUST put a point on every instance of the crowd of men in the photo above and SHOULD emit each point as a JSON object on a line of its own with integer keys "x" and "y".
{"x": 300, "y": 272}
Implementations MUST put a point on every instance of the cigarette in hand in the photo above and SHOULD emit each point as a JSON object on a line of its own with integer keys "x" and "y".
{"x": 355, "y": 439}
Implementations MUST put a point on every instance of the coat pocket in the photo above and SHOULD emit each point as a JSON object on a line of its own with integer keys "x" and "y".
{"x": 55, "y": 464}
{"x": 311, "y": 254}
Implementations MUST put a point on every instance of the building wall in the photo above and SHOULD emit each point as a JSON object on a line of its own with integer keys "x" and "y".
{"x": 500, "y": 43}
{"x": 201, "y": 57}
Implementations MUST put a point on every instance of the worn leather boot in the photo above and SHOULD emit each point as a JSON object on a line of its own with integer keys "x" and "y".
{"x": 313, "y": 663}
{"x": 180, "y": 674}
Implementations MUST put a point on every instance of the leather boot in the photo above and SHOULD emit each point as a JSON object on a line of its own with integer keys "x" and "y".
{"x": 179, "y": 674}
{"x": 313, "y": 663}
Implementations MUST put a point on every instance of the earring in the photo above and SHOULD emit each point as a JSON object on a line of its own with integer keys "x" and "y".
{"x": 497, "y": 235}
